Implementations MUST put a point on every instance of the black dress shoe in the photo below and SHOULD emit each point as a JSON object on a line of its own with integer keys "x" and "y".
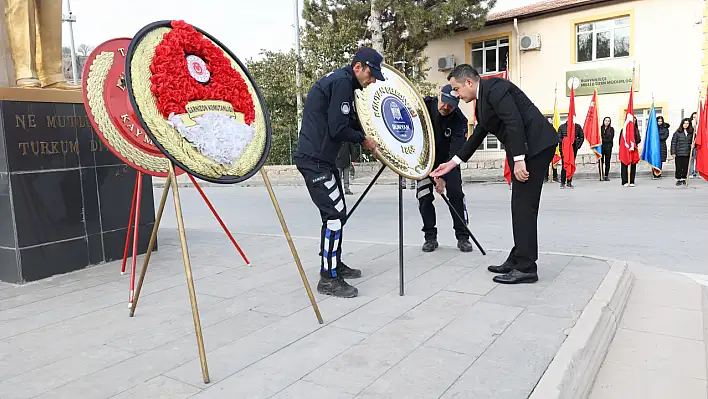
{"x": 504, "y": 268}
{"x": 516, "y": 277}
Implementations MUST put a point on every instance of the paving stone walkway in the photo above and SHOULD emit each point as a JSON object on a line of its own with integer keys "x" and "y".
{"x": 455, "y": 333}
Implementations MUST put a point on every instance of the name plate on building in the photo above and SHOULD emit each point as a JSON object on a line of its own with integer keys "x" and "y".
{"x": 607, "y": 80}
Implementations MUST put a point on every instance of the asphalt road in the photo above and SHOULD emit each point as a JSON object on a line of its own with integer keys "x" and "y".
{"x": 653, "y": 223}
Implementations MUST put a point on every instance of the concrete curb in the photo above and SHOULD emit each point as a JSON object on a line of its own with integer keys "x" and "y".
{"x": 573, "y": 370}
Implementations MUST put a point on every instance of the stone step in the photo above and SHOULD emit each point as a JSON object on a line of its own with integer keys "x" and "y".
{"x": 659, "y": 349}
{"x": 641, "y": 336}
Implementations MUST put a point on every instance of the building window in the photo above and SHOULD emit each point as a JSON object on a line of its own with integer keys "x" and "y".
{"x": 490, "y": 143}
{"x": 642, "y": 115}
{"x": 490, "y": 56}
{"x": 601, "y": 40}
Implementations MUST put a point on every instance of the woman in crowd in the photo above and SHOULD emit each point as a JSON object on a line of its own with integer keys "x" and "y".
{"x": 663, "y": 136}
{"x": 607, "y": 132}
{"x": 681, "y": 147}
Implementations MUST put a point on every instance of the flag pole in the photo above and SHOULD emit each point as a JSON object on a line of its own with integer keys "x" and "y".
{"x": 695, "y": 133}
{"x": 597, "y": 121}
{"x": 555, "y": 104}
{"x": 631, "y": 93}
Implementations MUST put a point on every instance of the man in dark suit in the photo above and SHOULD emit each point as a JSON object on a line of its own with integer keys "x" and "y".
{"x": 530, "y": 141}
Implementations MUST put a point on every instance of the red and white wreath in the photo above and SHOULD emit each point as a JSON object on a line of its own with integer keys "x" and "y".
{"x": 201, "y": 95}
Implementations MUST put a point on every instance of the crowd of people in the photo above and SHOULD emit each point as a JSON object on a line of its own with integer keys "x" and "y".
{"x": 681, "y": 149}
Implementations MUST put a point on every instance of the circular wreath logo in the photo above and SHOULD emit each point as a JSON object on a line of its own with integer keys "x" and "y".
{"x": 398, "y": 119}
{"x": 197, "y": 68}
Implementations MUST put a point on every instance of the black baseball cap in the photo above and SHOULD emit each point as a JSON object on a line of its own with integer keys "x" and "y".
{"x": 447, "y": 96}
{"x": 372, "y": 59}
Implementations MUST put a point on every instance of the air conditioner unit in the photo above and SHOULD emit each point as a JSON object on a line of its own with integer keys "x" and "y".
{"x": 446, "y": 63}
{"x": 530, "y": 42}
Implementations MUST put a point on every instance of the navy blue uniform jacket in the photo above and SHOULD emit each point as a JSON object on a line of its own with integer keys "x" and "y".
{"x": 329, "y": 118}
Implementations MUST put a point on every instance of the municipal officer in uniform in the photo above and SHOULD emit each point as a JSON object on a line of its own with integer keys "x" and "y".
{"x": 328, "y": 120}
{"x": 450, "y": 127}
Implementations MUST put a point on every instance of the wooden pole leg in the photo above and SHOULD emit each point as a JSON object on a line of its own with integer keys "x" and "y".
{"x": 292, "y": 245}
{"x": 134, "y": 261}
{"x": 151, "y": 246}
{"x": 188, "y": 271}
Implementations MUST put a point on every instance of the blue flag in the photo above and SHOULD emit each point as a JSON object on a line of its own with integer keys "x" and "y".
{"x": 651, "y": 152}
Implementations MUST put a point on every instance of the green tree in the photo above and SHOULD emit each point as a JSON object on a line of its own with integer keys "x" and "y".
{"x": 275, "y": 74}
{"x": 334, "y": 29}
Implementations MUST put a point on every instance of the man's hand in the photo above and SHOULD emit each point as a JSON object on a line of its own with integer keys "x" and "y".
{"x": 440, "y": 186}
{"x": 520, "y": 171}
{"x": 369, "y": 144}
{"x": 443, "y": 169}
{"x": 673, "y": 156}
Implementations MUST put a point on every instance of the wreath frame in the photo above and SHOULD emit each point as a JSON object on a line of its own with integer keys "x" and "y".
{"x": 224, "y": 179}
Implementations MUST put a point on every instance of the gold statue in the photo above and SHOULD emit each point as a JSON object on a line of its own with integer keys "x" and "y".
{"x": 34, "y": 30}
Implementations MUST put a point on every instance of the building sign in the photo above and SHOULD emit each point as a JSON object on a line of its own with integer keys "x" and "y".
{"x": 607, "y": 80}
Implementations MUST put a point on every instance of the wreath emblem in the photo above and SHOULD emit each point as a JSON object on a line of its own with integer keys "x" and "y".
{"x": 201, "y": 95}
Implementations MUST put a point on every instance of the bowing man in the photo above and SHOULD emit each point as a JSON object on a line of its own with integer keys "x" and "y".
{"x": 530, "y": 142}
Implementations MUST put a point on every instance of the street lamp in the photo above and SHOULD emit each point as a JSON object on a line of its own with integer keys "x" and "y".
{"x": 71, "y": 19}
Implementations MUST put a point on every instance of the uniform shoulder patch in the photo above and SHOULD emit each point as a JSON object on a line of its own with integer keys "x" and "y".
{"x": 345, "y": 108}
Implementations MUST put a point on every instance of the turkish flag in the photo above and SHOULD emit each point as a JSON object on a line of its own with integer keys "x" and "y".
{"x": 702, "y": 141}
{"x": 629, "y": 153}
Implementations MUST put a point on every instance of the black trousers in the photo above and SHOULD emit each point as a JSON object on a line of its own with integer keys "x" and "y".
{"x": 325, "y": 187}
{"x": 606, "y": 158}
{"x": 525, "y": 200}
{"x": 426, "y": 196}
{"x": 681, "y": 167}
{"x": 563, "y": 174}
{"x": 632, "y": 173}
{"x": 555, "y": 173}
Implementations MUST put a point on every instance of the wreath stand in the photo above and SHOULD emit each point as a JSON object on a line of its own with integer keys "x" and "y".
{"x": 134, "y": 219}
{"x": 105, "y": 102}
{"x": 400, "y": 221}
{"x": 171, "y": 183}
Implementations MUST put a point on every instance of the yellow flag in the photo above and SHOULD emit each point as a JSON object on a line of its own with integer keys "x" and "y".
{"x": 556, "y": 124}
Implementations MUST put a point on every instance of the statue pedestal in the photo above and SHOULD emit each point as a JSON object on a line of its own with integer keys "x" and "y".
{"x": 64, "y": 197}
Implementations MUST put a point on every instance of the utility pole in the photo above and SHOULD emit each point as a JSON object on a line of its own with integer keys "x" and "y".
{"x": 71, "y": 19}
{"x": 298, "y": 84}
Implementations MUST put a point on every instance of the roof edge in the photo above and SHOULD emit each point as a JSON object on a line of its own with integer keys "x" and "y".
{"x": 559, "y": 9}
